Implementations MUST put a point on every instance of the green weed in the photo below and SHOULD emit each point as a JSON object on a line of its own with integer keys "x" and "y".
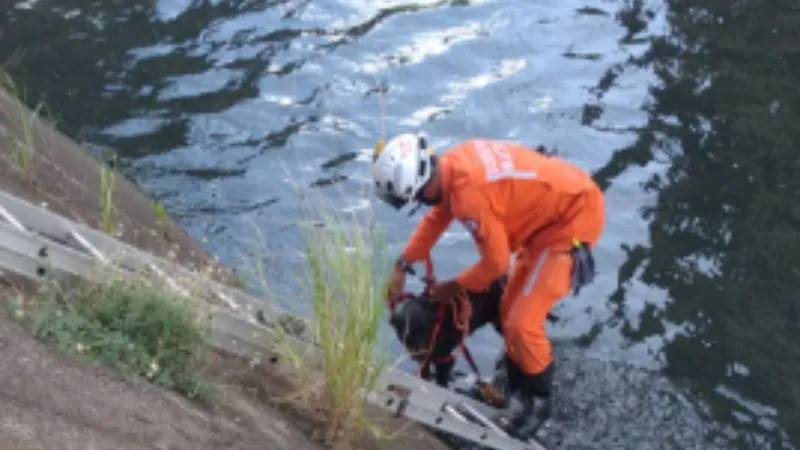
{"x": 344, "y": 281}
{"x": 162, "y": 218}
{"x": 130, "y": 326}
{"x": 22, "y": 148}
{"x": 107, "y": 186}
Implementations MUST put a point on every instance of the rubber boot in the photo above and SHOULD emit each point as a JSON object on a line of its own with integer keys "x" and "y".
{"x": 518, "y": 406}
{"x": 540, "y": 388}
{"x": 529, "y": 398}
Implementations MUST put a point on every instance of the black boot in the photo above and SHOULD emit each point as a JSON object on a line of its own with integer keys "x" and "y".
{"x": 540, "y": 387}
{"x": 518, "y": 405}
{"x": 529, "y": 398}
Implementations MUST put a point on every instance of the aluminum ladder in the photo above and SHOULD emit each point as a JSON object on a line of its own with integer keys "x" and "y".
{"x": 38, "y": 244}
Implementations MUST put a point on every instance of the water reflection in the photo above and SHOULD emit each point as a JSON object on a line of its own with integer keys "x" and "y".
{"x": 725, "y": 231}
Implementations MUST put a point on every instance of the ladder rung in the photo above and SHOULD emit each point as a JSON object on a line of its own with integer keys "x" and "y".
{"x": 483, "y": 420}
{"x": 11, "y": 219}
{"x": 453, "y": 412}
{"x": 88, "y": 246}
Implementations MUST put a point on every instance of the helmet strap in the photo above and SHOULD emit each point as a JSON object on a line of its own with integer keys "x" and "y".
{"x": 419, "y": 196}
{"x": 414, "y": 209}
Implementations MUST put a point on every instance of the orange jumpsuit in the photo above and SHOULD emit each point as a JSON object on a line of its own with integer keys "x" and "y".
{"x": 515, "y": 200}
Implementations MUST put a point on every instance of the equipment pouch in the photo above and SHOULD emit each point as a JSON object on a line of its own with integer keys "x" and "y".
{"x": 583, "y": 270}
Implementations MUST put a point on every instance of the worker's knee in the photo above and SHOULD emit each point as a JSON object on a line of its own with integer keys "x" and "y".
{"x": 527, "y": 345}
{"x": 519, "y": 332}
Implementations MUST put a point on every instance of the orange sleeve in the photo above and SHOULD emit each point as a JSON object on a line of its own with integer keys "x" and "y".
{"x": 492, "y": 241}
{"x": 430, "y": 228}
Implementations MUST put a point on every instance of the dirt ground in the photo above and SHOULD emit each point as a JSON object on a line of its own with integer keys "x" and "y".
{"x": 58, "y": 402}
{"x": 53, "y": 401}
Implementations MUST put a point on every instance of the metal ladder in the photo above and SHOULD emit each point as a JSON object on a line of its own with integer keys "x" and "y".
{"x": 37, "y": 244}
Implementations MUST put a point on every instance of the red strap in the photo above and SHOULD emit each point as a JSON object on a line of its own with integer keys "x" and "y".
{"x": 429, "y": 279}
{"x": 424, "y": 367}
{"x": 394, "y": 301}
{"x": 467, "y": 355}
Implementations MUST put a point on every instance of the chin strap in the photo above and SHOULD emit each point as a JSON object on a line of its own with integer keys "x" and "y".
{"x": 414, "y": 209}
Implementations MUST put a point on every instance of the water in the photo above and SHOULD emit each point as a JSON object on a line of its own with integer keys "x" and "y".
{"x": 221, "y": 109}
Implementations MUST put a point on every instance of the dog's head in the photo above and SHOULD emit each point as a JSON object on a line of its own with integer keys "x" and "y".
{"x": 414, "y": 321}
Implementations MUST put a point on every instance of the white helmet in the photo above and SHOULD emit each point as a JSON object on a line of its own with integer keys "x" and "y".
{"x": 401, "y": 168}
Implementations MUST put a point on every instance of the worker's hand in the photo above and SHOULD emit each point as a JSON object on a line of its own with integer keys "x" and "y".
{"x": 444, "y": 291}
{"x": 397, "y": 282}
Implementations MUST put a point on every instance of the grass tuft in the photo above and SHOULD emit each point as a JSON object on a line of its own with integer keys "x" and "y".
{"x": 22, "y": 151}
{"x": 129, "y": 326}
{"x": 107, "y": 186}
{"x": 343, "y": 279}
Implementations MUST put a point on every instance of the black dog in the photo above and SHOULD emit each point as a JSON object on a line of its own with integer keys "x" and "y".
{"x": 414, "y": 321}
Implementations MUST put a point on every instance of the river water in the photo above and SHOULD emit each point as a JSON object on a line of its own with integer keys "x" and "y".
{"x": 221, "y": 109}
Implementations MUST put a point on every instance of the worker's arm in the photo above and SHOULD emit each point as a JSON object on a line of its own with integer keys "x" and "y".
{"x": 491, "y": 239}
{"x": 430, "y": 228}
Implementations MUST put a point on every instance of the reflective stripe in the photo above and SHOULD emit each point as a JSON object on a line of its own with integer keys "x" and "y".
{"x": 515, "y": 174}
{"x": 535, "y": 273}
{"x": 498, "y": 163}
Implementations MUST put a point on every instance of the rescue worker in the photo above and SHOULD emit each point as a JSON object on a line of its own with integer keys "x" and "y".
{"x": 546, "y": 212}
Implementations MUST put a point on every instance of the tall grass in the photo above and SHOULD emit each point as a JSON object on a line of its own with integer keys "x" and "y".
{"x": 107, "y": 187}
{"x": 343, "y": 277}
{"x": 22, "y": 150}
{"x": 162, "y": 217}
